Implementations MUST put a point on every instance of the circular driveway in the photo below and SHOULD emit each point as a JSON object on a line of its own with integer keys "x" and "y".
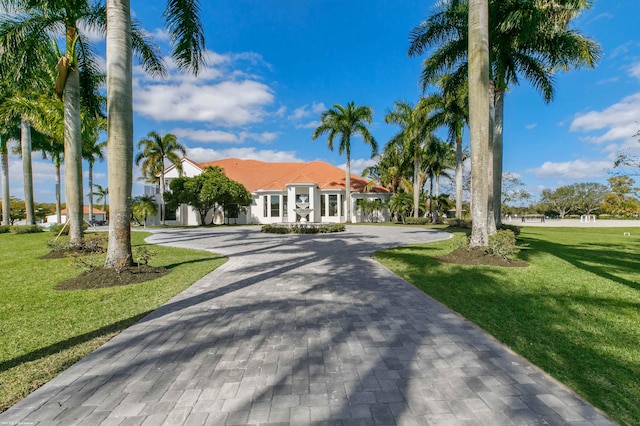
{"x": 301, "y": 329}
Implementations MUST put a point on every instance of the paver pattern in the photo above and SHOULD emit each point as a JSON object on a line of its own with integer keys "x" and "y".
{"x": 302, "y": 329}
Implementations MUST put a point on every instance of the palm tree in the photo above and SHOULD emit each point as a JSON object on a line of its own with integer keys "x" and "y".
{"x": 347, "y": 122}
{"x": 143, "y": 207}
{"x": 155, "y": 150}
{"x": 415, "y": 132}
{"x": 186, "y": 32}
{"x": 479, "y": 119}
{"x": 528, "y": 38}
{"x": 439, "y": 158}
{"x": 6, "y": 134}
{"x": 102, "y": 194}
{"x": 93, "y": 151}
{"x": 451, "y": 110}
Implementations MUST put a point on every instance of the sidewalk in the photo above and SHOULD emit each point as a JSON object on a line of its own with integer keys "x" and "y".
{"x": 302, "y": 329}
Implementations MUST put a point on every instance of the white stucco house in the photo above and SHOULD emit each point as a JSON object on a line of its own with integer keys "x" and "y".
{"x": 283, "y": 192}
{"x": 98, "y": 215}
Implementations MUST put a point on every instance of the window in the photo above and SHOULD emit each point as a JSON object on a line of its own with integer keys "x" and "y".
{"x": 284, "y": 206}
{"x": 333, "y": 205}
{"x": 275, "y": 206}
{"x": 323, "y": 205}
{"x": 265, "y": 206}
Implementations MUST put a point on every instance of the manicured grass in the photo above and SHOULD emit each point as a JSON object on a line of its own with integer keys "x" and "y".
{"x": 43, "y": 331}
{"x": 574, "y": 312}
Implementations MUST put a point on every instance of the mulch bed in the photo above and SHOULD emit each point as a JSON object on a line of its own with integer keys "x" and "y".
{"x": 109, "y": 277}
{"x": 479, "y": 256}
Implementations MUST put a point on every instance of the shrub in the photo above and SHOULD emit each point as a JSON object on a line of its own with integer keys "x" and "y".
{"x": 513, "y": 228}
{"x": 304, "y": 229}
{"x": 458, "y": 223}
{"x": 503, "y": 243}
{"x": 55, "y": 229}
{"x": 417, "y": 220}
{"x": 27, "y": 229}
{"x": 5, "y": 229}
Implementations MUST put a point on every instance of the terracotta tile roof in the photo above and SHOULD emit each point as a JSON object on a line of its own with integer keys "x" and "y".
{"x": 259, "y": 175}
{"x": 85, "y": 210}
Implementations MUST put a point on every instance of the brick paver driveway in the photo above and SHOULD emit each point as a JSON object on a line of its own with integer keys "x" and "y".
{"x": 296, "y": 330}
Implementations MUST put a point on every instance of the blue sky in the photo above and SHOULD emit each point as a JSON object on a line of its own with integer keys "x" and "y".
{"x": 275, "y": 65}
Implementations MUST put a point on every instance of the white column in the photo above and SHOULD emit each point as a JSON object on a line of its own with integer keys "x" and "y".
{"x": 291, "y": 200}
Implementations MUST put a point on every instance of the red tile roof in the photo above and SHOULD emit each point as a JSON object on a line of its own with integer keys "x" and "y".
{"x": 259, "y": 175}
{"x": 85, "y": 210}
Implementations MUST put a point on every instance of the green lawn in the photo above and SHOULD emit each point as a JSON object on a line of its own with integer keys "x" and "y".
{"x": 43, "y": 331}
{"x": 574, "y": 312}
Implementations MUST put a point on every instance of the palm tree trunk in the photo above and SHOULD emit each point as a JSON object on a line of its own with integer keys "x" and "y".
{"x": 120, "y": 132}
{"x": 436, "y": 194}
{"x": 73, "y": 156}
{"x": 91, "y": 192}
{"x": 6, "y": 200}
{"x": 58, "y": 203}
{"x": 491, "y": 219}
{"x": 497, "y": 156}
{"x": 162, "y": 189}
{"x": 348, "y": 188}
{"x": 416, "y": 185}
{"x": 459, "y": 172}
{"x": 27, "y": 170}
{"x": 431, "y": 197}
{"x": 479, "y": 118}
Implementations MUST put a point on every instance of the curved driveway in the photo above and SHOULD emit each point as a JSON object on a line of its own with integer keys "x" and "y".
{"x": 299, "y": 329}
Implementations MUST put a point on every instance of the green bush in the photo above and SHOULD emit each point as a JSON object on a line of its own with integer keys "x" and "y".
{"x": 55, "y": 229}
{"x": 417, "y": 220}
{"x": 27, "y": 229}
{"x": 503, "y": 243}
{"x": 5, "y": 229}
{"x": 304, "y": 229}
{"x": 513, "y": 228}
{"x": 458, "y": 223}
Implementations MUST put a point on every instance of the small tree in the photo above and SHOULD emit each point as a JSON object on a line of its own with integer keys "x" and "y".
{"x": 142, "y": 207}
{"x": 206, "y": 191}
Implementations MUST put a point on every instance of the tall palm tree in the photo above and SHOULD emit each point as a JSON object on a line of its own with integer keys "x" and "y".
{"x": 8, "y": 133}
{"x": 527, "y": 38}
{"x": 186, "y": 33}
{"x": 415, "y": 133}
{"x": 346, "y": 122}
{"x": 155, "y": 150}
{"x": 93, "y": 151}
{"x": 439, "y": 158}
{"x": 451, "y": 110}
{"x": 479, "y": 119}
{"x": 102, "y": 195}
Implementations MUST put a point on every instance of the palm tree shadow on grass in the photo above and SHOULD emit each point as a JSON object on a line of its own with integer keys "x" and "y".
{"x": 610, "y": 261}
{"x": 57, "y": 347}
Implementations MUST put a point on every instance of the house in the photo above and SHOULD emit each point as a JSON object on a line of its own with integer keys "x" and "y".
{"x": 284, "y": 192}
{"x": 98, "y": 215}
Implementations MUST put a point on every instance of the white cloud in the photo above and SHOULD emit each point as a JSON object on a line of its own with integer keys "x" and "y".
{"x": 308, "y": 110}
{"x": 201, "y": 155}
{"x": 619, "y": 121}
{"x": 206, "y": 136}
{"x": 577, "y": 169}
{"x": 359, "y": 164}
{"x": 219, "y": 136}
{"x": 309, "y": 125}
{"x": 218, "y": 95}
{"x": 531, "y": 126}
{"x": 634, "y": 71}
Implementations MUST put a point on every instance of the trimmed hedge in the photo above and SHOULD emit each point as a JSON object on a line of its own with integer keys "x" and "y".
{"x": 303, "y": 229}
{"x": 5, "y": 229}
{"x": 27, "y": 229}
{"x": 417, "y": 220}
